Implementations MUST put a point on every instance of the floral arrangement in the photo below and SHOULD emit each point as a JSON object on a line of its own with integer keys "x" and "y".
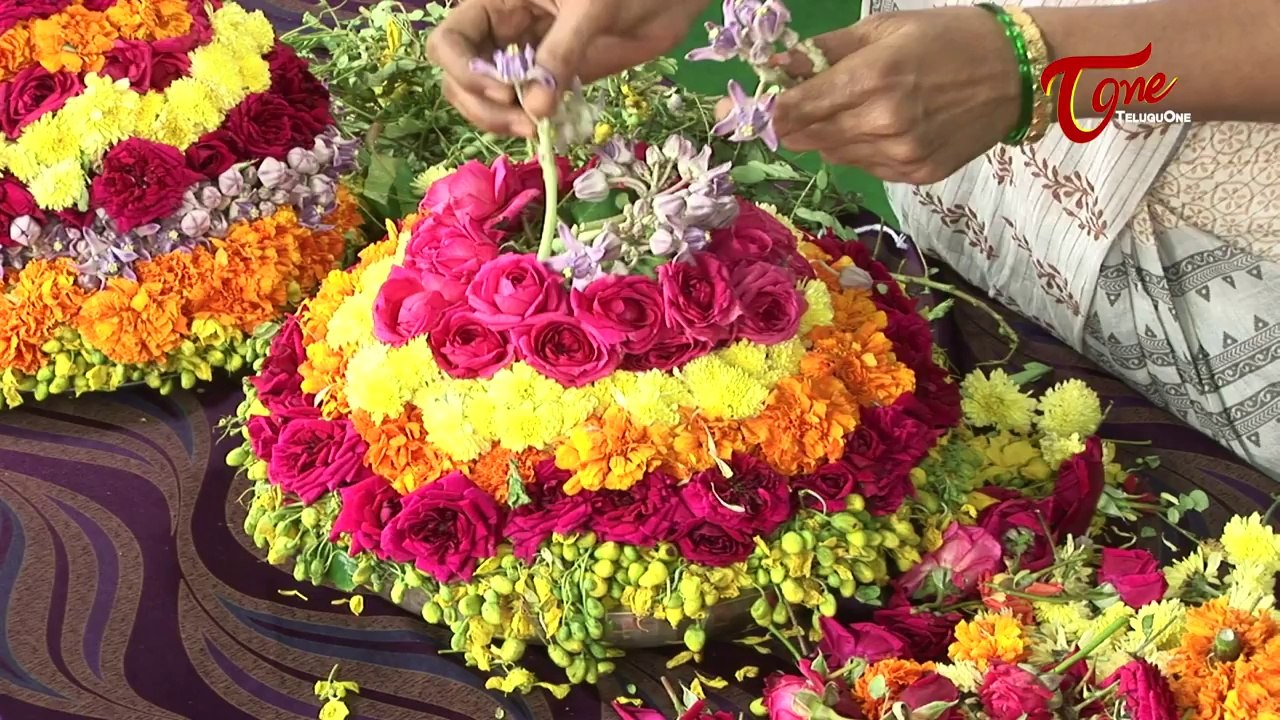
{"x": 169, "y": 186}
{"x": 1097, "y": 632}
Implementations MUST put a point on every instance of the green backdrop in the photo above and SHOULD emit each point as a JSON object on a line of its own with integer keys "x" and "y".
{"x": 809, "y": 17}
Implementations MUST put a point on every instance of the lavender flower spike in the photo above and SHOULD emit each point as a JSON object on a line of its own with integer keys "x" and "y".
{"x": 513, "y": 65}
{"x": 750, "y": 119}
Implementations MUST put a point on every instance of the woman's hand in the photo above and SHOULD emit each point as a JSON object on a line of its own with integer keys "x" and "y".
{"x": 909, "y": 97}
{"x": 584, "y": 39}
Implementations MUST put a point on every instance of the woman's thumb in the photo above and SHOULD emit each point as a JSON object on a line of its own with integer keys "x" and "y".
{"x": 561, "y": 52}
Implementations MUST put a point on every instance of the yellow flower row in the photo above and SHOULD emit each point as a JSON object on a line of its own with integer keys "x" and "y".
{"x": 52, "y": 153}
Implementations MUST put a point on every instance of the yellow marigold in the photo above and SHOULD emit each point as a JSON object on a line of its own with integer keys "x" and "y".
{"x": 375, "y": 252}
{"x": 76, "y": 40}
{"x": 804, "y": 424}
{"x": 150, "y": 19}
{"x": 610, "y": 452}
{"x": 897, "y": 675}
{"x": 864, "y": 361}
{"x": 988, "y": 637}
{"x": 133, "y": 322}
{"x": 15, "y": 51}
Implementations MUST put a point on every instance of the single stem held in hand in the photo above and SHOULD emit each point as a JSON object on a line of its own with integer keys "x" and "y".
{"x": 551, "y": 183}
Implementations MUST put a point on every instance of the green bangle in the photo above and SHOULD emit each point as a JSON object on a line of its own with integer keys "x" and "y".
{"x": 1014, "y": 33}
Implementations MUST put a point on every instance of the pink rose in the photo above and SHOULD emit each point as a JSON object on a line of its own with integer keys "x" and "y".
{"x": 278, "y": 383}
{"x": 486, "y": 195}
{"x": 794, "y": 697}
{"x": 456, "y": 250}
{"x": 558, "y": 346}
{"x": 640, "y": 515}
{"x": 1135, "y": 575}
{"x": 670, "y": 350}
{"x": 966, "y": 555}
{"x": 1146, "y": 693}
{"x": 32, "y": 93}
{"x": 213, "y": 154}
{"x": 867, "y": 641}
{"x": 771, "y": 306}
{"x": 755, "y": 501}
{"x": 367, "y": 507}
{"x": 15, "y": 202}
{"x": 314, "y": 457}
{"x": 410, "y": 304}
{"x": 141, "y": 181}
{"x": 755, "y": 235}
{"x": 465, "y": 347}
{"x": 1010, "y": 692}
{"x": 622, "y": 310}
{"x": 932, "y": 690}
{"x": 444, "y": 528}
{"x": 138, "y": 62}
{"x": 512, "y": 288}
{"x": 1021, "y": 521}
{"x": 698, "y": 298}
{"x": 264, "y": 430}
{"x": 551, "y": 511}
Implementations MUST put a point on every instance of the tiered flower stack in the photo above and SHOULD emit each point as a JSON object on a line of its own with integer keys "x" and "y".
{"x": 652, "y": 400}
{"x": 169, "y": 184}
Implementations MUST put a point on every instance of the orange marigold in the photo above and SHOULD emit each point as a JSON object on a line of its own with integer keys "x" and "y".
{"x": 693, "y": 440}
{"x": 610, "y": 452}
{"x": 400, "y": 452}
{"x": 1255, "y": 694}
{"x": 897, "y": 674}
{"x": 16, "y": 49}
{"x": 48, "y": 287}
{"x": 150, "y": 19}
{"x": 853, "y": 308}
{"x": 76, "y": 40}
{"x": 133, "y": 322}
{"x": 864, "y": 361}
{"x": 804, "y": 424}
{"x": 1198, "y": 679}
{"x": 492, "y": 471}
{"x": 989, "y": 636}
{"x": 20, "y": 337}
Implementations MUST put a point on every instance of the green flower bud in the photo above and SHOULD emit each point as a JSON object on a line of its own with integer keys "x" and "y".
{"x": 166, "y": 387}
{"x": 792, "y": 591}
{"x": 695, "y": 638}
{"x": 828, "y": 605}
{"x": 41, "y": 392}
{"x": 432, "y": 613}
{"x": 310, "y": 517}
{"x": 491, "y": 613}
{"x": 471, "y": 605}
{"x": 863, "y": 573}
{"x": 44, "y": 374}
{"x": 51, "y": 347}
{"x": 762, "y": 612}
{"x": 216, "y": 358}
{"x": 59, "y": 385}
{"x": 512, "y": 650}
{"x": 577, "y": 671}
{"x": 363, "y": 572}
{"x": 501, "y": 585}
{"x": 188, "y": 379}
{"x": 300, "y": 571}
{"x": 559, "y": 656}
{"x": 606, "y": 667}
{"x": 780, "y": 614}
{"x": 777, "y": 575}
{"x": 256, "y": 472}
{"x": 595, "y": 630}
{"x": 792, "y": 543}
{"x": 490, "y": 595}
{"x": 603, "y": 568}
{"x": 234, "y": 363}
{"x": 848, "y": 588}
{"x": 397, "y": 592}
{"x": 594, "y": 608}
{"x": 654, "y": 575}
{"x": 825, "y": 555}
{"x": 569, "y": 552}
{"x": 610, "y": 551}
{"x": 855, "y": 503}
{"x": 758, "y": 709}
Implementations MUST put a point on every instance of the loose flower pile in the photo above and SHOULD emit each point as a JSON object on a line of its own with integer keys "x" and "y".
{"x": 169, "y": 186}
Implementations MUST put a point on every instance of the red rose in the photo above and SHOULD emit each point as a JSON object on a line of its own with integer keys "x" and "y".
{"x": 825, "y": 488}
{"x": 711, "y": 544}
{"x": 1146, "y": 692}
{"x": 15, "y": 202}
{"x": 928, "y": 634}
{"x": 1075, "y": 496}
{"x": 755, "y": 500}
{"x": 465, "y": 347}
{"x": 551, "y": 511}
{"x": 866, "y": 641}
{"x": 928, "y": 690}
{"x": 313, "y": 457}
{"x": 887, "y": 444}
{"x": 293, "y": 81}
{"x": 367, "y": 507}
{"x": 1134, "y": 574}
{"x": 14, "y": 12}
{"x": 670, "y": 350}
{"x": 145, "y": 68}
{"x": 445, "y": 528}
{"x": 212, "y": 154}
{"x": 640, "y": 515}
{"x": 32, "y": 93}
{"x": 624, "y": 310}
{"x": 263, "y": 127}
{"x": 141, "y": 181}
{"x": 698, "y": 297}
{"x": 771, "y": 306}
{"x": 264, "y": 430}
{"x": 754, "y": 235}
{"x": 1020, "y": 523}
{"x": 1009, "y": 692}
{"x": 558, "y": 346}
{"x": 278, "y": 383}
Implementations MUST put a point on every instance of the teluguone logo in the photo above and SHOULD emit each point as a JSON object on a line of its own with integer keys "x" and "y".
{"x": 1109, "y": 93}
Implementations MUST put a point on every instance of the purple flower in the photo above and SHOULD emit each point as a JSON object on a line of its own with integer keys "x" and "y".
{"x": 725, "y": 44}
{"x": 586, "y": 262}
{"x": 513, "y": 65}
{"x": 750, "y": 119}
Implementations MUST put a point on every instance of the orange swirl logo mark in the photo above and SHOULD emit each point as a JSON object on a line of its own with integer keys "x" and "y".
{"x": 1108, "y": 93}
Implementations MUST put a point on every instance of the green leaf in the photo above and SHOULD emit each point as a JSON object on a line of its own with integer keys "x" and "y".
{"x": 341, "y": 568}
{"x": 1199, "y": 500}
{"x": 516, "y": 494}
{"x": 585, "y": 212}
{"x": 869, "y": 594}
{"x": 747, "y": 174}
{"x": 821, "y": 180}
{"x": 404, "y": 127}
{"x": 380, "y": 181}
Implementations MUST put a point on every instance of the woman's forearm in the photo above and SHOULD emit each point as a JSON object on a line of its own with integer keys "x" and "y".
{"x": 1225, "y": 54}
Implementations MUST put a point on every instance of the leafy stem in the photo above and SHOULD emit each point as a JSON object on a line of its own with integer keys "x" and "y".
{"x": 1006, "y": 331}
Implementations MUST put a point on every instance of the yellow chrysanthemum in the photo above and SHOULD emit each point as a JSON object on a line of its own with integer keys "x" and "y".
{"x": 651, "y": 398}
{"x": 994, "y": 401}
{"x": 49, "y": 140}
{"x": 1251, "y": 586}
{"x": 989, "y": 636}
{"x": 820, "y": 311}
{"x": 1204, "y": 561}
{"x": 532, "y": 410}
{"x": 59, "y": 186}
{"x": 451, "y": 414}
{"x": 195, "y": 104}
{"x": 105, "y": 113}
{"x": 1249, "y": 540}
{"x": 219, "y": 70}
{"x": 352, "y": 323}
{"x": 255, "y": 74}
{"x": 783, "y": 360}
{"x": 1100, "y": 623}
{"x": 748, "y": 356}
{"x": 723, "y": 391}
{"x": 1058, "y": 449}
{"x": 1070, "y": 408}
{"x": 1156, "y": 627}
{"x": 1062, "y": 623}
{"x": 370, "y": 388}
{"x": 244, "y": 30}
{"x": 431, "y": 176}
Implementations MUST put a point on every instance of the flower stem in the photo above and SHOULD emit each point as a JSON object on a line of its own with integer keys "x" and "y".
{"x": 1115, "y": 627}
{"x": 787, "y": 643}
{"x": 1005, "y": 329}
{"x": 551, "y": 185}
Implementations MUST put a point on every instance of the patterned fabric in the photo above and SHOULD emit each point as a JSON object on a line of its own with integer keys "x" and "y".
{"x": 1152, "y": 249}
